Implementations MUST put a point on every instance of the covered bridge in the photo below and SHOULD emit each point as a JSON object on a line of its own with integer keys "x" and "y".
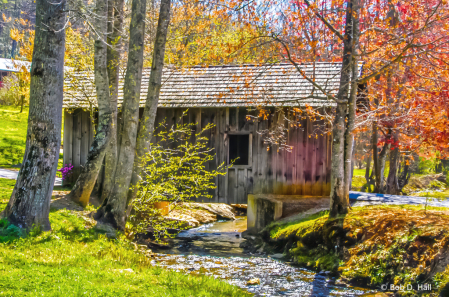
{"x": 225, "y": 96}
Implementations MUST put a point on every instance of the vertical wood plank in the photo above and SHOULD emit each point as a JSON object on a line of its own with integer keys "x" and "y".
{"x": 68, "y": 142}
{"x": 289, "y": 158}
{"x": 76, "y": 144}
{"x": 171, "y": 121}
{"x": 221, "y": 153}
{"x": 91, "y": 130}
{"x": 198, "y": 120}
{"x": 300, "y": 156}
{"x": 241, "y": 186}
{"x": 160, "y": 118}
{"x": 278, "y": 164}
{"x": 319, "y": 146}
{"x": 249, "y": 184}
{"x": 293, "y": 134}
{"x": 323, "y": 144}
{"x": 178, "y": 119}
{"x": 233, "y": 119}
{"x": 327, "y": 187}
{"x": 242, "y": 123}
{"x": 213, "y": 146}
{"x": 85, "y": 130}
{"x": 256, "y": 157}
{"x": 309, "y": 164}
{"x": 227, "y": 119}
{"x": 260, "y": 184}
{"x": 205, "y": 120}
{"x": 232, "y": 185}
{"x": 270, "y": 175}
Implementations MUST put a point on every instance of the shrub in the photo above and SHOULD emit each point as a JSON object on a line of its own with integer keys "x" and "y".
{"x": 174, "y": 171}
{"x": 66, "y": 171}
{"x": 10, "y": 93}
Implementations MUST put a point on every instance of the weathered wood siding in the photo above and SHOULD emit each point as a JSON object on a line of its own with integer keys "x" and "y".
{"x": 303, "y": 171}
{"x": 78, "y": 136}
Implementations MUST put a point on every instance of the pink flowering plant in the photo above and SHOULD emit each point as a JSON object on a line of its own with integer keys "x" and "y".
{"x": 66, "y": 171}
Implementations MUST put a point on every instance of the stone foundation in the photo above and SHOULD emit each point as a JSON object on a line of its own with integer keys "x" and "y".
{"x": 266, "y": 208}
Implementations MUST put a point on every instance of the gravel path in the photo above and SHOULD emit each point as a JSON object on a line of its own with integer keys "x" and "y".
{"x": 11, "y": 174}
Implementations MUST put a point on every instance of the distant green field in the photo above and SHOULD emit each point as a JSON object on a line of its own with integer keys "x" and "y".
{"x": 13, "y": 127}
{"x": 361, "y": 172}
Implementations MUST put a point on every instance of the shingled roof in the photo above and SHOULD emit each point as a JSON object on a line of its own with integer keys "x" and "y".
{"x": 224, "y": 86}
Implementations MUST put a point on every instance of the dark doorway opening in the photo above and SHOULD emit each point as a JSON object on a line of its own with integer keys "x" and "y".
{"x": 239, "y": 148}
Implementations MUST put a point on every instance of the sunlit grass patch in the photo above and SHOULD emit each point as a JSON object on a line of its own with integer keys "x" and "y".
{"x": 14, "y": 126}
{"x": 6, "y": 187}
{"x": 14, "y": 129}
{"x": 74, "y": 260}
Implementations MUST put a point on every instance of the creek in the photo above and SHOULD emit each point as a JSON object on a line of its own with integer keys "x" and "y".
{"x": 214, "y": 249}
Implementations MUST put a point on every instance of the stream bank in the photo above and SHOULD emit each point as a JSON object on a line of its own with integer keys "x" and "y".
{"x": 376, "y": 245}
{"x": 217, "y": 249}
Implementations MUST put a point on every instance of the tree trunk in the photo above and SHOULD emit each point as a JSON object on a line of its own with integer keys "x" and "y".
{"x": 405, "y": 173}
{"x": 85, "y": 183}
{"x": 368, "y": 169}
{"x": 339, "y": 201}
{"x": 376, "y": 168}
{"x": 112, "y": 210}
{"x": 115, "y": 26}
{"x": 154, "y": 87}
{"x": 30, "y": 200}
{"x": 382, "y": 161}
{"x": 392, "y": 186}
{"x": 352, "y": 102}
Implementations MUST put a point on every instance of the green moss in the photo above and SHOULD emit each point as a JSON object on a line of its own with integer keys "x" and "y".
{"x": 319, "y": 258}
{"x": 302, "y": 226}
{"x": 441, "y": 280}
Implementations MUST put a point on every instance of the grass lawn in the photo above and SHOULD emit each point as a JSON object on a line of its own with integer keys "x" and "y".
{"x": 379, "y": 244}
{"x": 6, "y": 187}
{"x": 361, "y": 172}
{"x": 13, "y": 137}
{"x": 12, "y": 140}
{"x": 75, "y": 260}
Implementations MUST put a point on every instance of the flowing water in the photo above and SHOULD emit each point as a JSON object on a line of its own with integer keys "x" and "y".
{"x": 213, "y": 249}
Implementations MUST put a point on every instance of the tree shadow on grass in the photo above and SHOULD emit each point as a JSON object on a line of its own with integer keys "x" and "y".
{"x": 67, "y": 227}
